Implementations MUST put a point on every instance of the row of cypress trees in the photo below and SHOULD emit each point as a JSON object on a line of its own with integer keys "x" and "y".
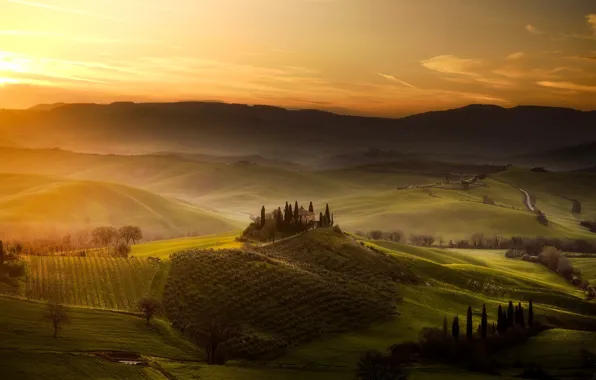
{"x": 506, "y": 319}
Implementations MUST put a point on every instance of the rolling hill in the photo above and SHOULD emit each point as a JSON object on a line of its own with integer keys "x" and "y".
{"x": 313, "y": 304}
{"x": 219, "y": 128}
{"x": 38, "y": 204}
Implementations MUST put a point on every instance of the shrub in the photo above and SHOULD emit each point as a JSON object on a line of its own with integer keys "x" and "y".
{"x": 373, "y": 365}
{"x": 488, "y": 200}
{"x": 13, "y": 269}
{"x": 375, "y": 234}
{"x": 541, "y": 217}
{"x": 122, "y": 250}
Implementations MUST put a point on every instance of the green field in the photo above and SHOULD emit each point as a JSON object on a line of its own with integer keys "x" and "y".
{"x": 323, "y": 273}
{"x": 171, "y": 195}
{"x": 163, "y": 249}
{"x": 95, "y": 281}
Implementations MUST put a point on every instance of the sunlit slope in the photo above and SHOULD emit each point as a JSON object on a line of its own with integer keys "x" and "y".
{"x": 451, "y": 214}
{"x": 63, "y": 205}
{"x": 451, "y": 281}
{"x": 164, "y": 248}
{"x": 554, "y": 191}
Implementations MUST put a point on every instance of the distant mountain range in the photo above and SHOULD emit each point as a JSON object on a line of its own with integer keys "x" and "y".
{"x": 490, "y": 134}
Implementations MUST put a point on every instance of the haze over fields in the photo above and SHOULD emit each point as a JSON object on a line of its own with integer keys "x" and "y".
{"x": 297, "y": 189}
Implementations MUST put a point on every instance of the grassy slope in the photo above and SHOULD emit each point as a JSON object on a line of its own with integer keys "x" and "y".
{"x": 36, "y": 202}
{"x": 363, "y": 197}
{"x": 452, "y": 280}
{"x": 91, "y": 330}
{"x": 164, "y": 248}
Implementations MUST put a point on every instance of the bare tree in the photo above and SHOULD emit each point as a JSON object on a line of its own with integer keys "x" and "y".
{"x": 130, "y": 233}
{"x": 148, "y": 306}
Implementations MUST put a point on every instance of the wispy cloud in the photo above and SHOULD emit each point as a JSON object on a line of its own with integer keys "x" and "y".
{"x": 42, "y": 34}
{"x": 62, "y": 9}
{"x": 515, "y": 72}
{"x": 515, "y": 56}
{"x": 534, "y": 30}
{"x": 592, "y": 21}
{"x": 451, "y": 64}
{"x": 394, "y": 79}
{"x": 568, "y": 86}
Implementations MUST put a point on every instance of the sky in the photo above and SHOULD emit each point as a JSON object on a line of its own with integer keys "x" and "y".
{"x": 366, "y": 57}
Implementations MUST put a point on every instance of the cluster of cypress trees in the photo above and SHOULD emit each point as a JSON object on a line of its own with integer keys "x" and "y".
{"x": 506, "y": 319}
{"x": 290, "y": 221}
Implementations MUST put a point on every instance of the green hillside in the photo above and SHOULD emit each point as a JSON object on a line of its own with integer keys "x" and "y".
{"x": 310, "y": 305}
{"x": 364, "y": 197}
{"x": 31, "y": 203}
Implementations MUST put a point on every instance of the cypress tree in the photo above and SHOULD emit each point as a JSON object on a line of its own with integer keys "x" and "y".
{"x": 469, "y": 323}
{"x": 262, "y": 216}
{"x": 445, "y": 329}
{"x": 332, "y": 222}
{"x": 494, "y": 330}
{"x": 455, "y": 328}
{"x": 504, "y": 317}
{"x": 278, "y": 219}
{"x": 286, "y": 212}
{"x": 296, "y": 214}
{"x": 327, "y": 216}
{"x": 484, "y": 322}
{"x": 530, "y": 315}
{"x": 510, "y": 316}
{"x": 522, "y": 320}
{"x": 311, "y": 208}
{"x": 321, "y": 221}
{"x": 500, "y": 319}
{"x": 290, "y": 214}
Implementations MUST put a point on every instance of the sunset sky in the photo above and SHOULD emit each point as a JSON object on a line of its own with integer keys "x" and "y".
{"x": 373, "y": 57}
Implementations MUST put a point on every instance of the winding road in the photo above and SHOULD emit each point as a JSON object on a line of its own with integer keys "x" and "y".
{"x": 528, "y": 200}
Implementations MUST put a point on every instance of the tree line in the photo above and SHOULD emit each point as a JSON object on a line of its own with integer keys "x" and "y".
{"x": 471, "y": 349}
{"x": 115, "y": 240}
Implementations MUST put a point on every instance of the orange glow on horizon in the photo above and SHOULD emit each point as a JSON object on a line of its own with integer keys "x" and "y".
{"x": 388, "y": 58}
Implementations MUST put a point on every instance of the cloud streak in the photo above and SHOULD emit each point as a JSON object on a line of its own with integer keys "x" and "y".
{"x": 568, "y": 86}
{"x": 534, "y": 30}
{"x": 450, "y": 64}
{"x": 62, "y": 9}
{"x": 394, "y": 79}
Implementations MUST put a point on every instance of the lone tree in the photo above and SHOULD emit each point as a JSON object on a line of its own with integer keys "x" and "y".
{"x": 530, "y": 315}
{"x": 130, "y": 233}
{"x": 148, "y": 306}
{"x": 484, "y": 322}
{"x": 55, "y": 314}
{"x": 469, "y": 323}
{"x": 510, "y": 315}
{"x": 455, "y": 328}
{"x": 311, "y": 208}
{"x": 262, "y": 217}
{"x": 212, "y": 330}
